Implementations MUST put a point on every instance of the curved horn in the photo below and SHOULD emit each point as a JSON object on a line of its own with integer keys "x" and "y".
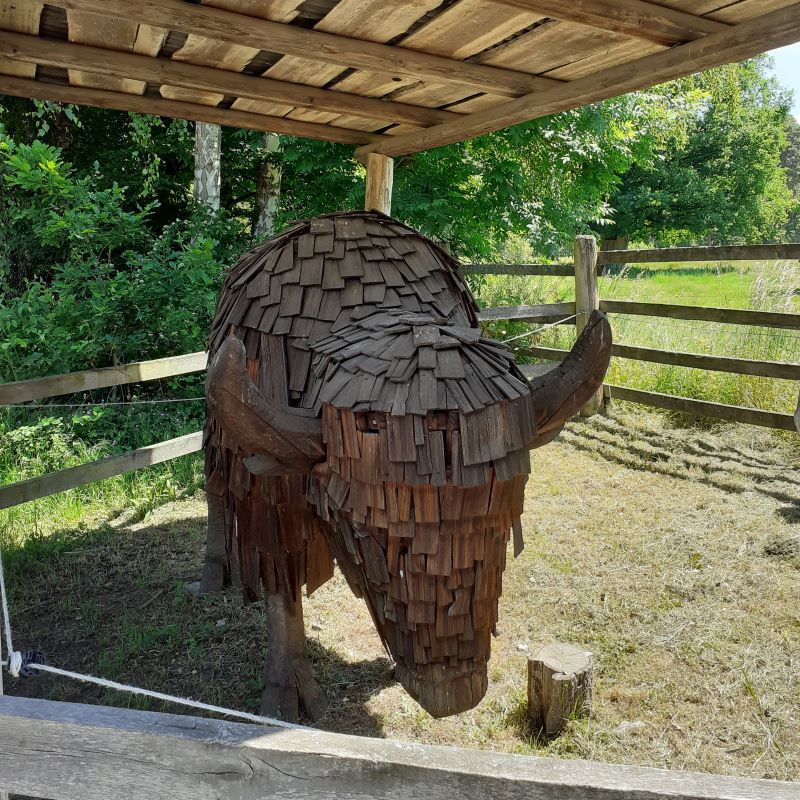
{"x": 284, "y": 439}
{"x": 559, "y": 394}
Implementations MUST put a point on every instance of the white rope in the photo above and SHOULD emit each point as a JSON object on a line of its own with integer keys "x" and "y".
{"x": 15, "y": 664}
{"x": 101, "y": 405}
{"x": 539, "y": 329}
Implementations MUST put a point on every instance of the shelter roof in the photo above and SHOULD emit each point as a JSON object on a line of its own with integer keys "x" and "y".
{"x": 391, "y": 76}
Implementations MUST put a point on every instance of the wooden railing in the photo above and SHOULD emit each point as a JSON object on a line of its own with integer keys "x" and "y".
{"x": 585, "y": 273}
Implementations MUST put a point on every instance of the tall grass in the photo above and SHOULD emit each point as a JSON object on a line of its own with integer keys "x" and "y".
{"x": 767, "y": 286}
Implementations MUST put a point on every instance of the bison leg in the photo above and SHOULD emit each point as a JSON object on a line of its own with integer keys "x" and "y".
{"x": 289, "y": 684}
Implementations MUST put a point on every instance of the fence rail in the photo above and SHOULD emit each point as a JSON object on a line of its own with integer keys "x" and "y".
{"x": 79, "y": 752}
{"x": 72, "y": 382}
{"x": 735, "y": 252}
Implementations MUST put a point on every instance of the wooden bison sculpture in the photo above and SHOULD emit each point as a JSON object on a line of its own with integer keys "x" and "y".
{"x": 355, "y": 413}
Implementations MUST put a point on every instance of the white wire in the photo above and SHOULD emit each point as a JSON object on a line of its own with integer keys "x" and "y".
{"x": 15, "y": 663}
{"x": 538, "y": 330}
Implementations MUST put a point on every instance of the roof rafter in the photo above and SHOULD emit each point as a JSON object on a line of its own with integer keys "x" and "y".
{"x": 738, "y": 42}
{"x": 636, "y": 18}
{"x": 261, "y": 34}
{"x": 162, "y": 71}
{"x": 145, "y": 104}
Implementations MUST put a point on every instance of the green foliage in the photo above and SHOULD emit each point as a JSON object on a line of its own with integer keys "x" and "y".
{"x": 790, "y": 161}
{"x": 716, "y": 176}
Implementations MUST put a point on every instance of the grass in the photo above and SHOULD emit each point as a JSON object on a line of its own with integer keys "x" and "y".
{"x": 671, "y": 554}
{"x": 769, "y": 286}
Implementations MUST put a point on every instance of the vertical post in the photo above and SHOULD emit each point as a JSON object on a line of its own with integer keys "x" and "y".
{"x": 380, "y": 174}
{"x": 587, "y": 299}
{"x": 3, "y": 794}
{"x": 207, "y": 174}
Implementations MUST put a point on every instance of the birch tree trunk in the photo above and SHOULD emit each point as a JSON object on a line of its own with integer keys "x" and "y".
{"x": 268, "y": 189}
{"x": 207, "y": 170}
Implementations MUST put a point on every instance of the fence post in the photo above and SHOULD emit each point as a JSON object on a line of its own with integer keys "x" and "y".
{"x": 378, "y": 190}
{"x": 587, "y": 299}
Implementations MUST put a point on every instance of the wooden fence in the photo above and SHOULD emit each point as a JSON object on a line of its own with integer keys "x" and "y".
{"x": 589, "y": 262}
{"x": 66, "y": 750}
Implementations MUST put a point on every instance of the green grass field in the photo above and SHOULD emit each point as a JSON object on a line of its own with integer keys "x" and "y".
{"x": 767, "y": 286}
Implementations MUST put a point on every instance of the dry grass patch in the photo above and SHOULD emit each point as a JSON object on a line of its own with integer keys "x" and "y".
{"x": 670, "y": 553}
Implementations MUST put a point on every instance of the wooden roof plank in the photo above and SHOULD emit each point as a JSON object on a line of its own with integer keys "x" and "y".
{"x": 745, "y": 40}
{"x": 120, "y": 101}
{"x": 118, "y": 64}
{"x": 637, "y": 18}
{"x": 236, "y": 30}
{"x": 23, "y": 18}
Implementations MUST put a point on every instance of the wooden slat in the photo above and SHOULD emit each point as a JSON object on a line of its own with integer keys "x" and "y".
{"x": 743, "y": 252}
{"x": 736, "y": 366}
{"x": 23, "y": 18}
{"x": 13, "y": 494}
{"x": 747, "y": 39}
{"x": 732, "y": 316}
{"x": 100, "y": 98}
{"x": 547, "y": 312}
{"x": 80, "y": 752}
{"x": 547, "y": 270}
{"x": 231, "y": 30}
{"x": 638, "y": 18}
{"x": 30, "y": 49}
{"x": 84, "y": 381}
{"x": 702, "y": 408}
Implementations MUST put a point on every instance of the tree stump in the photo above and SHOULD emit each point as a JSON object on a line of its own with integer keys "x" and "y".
{"x": 559, "y": 686}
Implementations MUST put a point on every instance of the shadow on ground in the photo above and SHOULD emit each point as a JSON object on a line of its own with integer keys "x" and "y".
{"x": 110, "y": 602}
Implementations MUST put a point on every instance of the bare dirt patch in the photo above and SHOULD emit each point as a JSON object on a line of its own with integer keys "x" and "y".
{"x": 670, "y": 553}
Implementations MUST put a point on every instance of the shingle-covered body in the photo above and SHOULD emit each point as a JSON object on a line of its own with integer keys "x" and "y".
{"x": 416, "y": 479}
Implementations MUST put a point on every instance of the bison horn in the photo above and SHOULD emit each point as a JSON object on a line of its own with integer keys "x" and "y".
{"x": 560, "y": 393}
{"x": 279, "y": 438}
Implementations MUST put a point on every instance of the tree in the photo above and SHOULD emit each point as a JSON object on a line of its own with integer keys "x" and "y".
{"x": 790, "y": 161}
{"x": 268, "y": 189}
{"x": 207, "y": 164}
{"x": 717, "y": 178}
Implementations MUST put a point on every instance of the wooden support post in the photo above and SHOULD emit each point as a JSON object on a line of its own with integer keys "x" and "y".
{"x": 380, "y": 174}
{"x": 559, "y": 686}
{"x": 587, "y": 299}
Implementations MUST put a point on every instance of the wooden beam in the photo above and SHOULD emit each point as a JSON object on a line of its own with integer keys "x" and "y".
{"x": 84, "y": 381}
{"x": 261, "y": 34}
{"x": 735, "y": 366}
{"x": 378, "y": 188}
{"x": 745, "y": 40}
{"x": 545, "y": 270}
{"x": 144, "y": 104}
{"x": 730, "y": 316}
{"x": 737, "y": 252}
{"x": 702, "y": 408}
{"x": 80, "y": 752}
{"x": 587, "y": 300}
{"x": 163, "y": 71}
{"x": 637, "y": 18}
{"x": 547, "y": 312}
{"x": 13, "y": 494}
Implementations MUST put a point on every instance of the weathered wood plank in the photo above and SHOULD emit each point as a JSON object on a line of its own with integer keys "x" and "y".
{"x": 84, "y": 381}
{"x": 77, "y": 752}
{"x": 118, "y": 64}
{"x": 743, "y": 252}
{"x": 378, "y": 188}
{"x": 736, "y": 366}
{"x": 144, "y": 104}
{"x": 547, "y": 312}
{"x": 637, "y": 18}
{"x": 702, "y": 408}
{"x": 745, "y": 40}
{"x": 13, "y": 494}
{"x": 732, "y": 316}
{"x": 587, "y": 299}
{"x": 546, "y": 270}
{"x": 241, "y": 30}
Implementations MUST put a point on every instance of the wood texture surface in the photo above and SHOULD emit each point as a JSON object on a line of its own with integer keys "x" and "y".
{"x": 379, "y": 179}
{"x": 587, "y": 299}
{"x": 72, "y": 382}
{"x": 13, "y": 494}
{"x": 740, "y": 252}
{"x": 78, "y": 752}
